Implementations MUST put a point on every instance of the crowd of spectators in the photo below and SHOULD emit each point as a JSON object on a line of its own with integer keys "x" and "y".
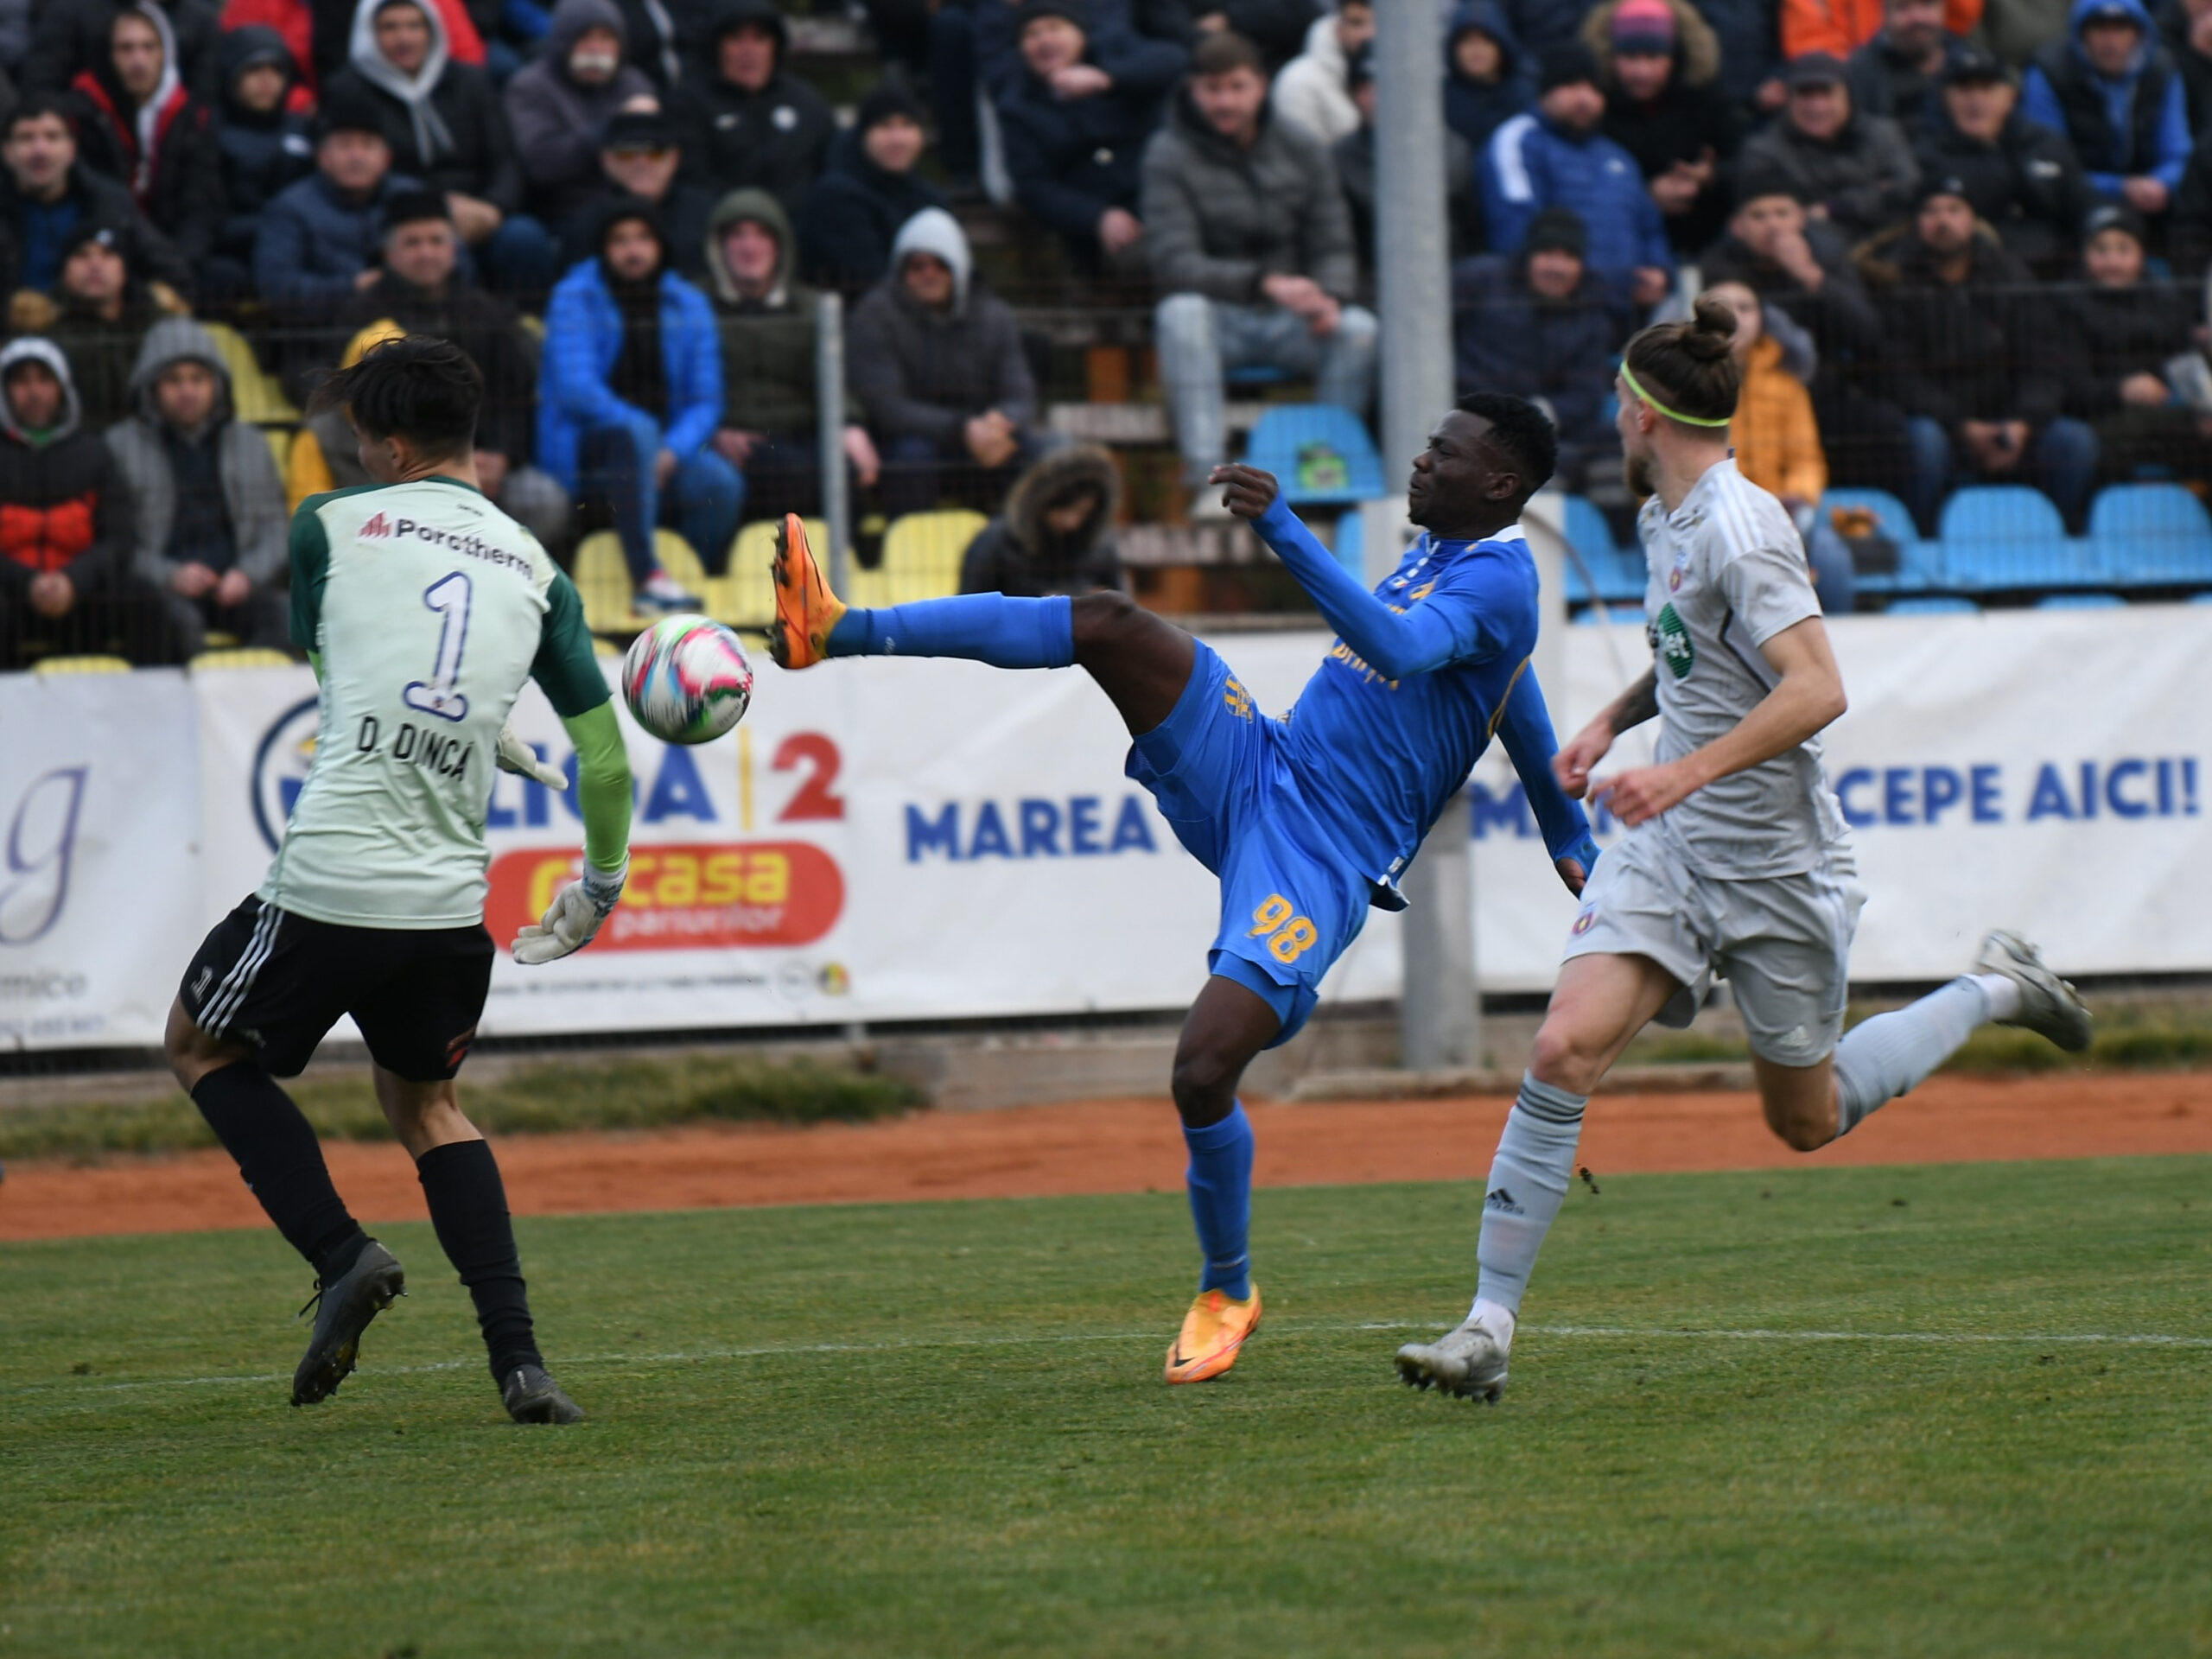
{"x": 1963, "y": 235}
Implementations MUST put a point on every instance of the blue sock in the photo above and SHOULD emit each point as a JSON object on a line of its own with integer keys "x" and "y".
{"x": 988, "y": 628}
{"x": 1220, "y": 1179}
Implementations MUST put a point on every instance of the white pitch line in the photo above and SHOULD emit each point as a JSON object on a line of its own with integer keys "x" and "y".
{"x": 1600, "y": 1333}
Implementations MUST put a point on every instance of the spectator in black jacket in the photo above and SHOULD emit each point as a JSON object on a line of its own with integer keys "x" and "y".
{"x": 853, "y": 213}
{"x": 2189, "y": 222}
{"x": 1075, "y": 139}
{"x": 1057, "y": 533}
{"x": 264, "y": 145}
{"x": 1803, "y": 266}
{"x": 1354, "y": 155}
{"x": 2186, "y": 28}
{"x": 1853, "y": 169}
{"x": 750, "y": 123}
{"x": 446, "y": 128}
{"x": 44, "y": 192}
{"x": 141, "y": 127}
{"x": 71, "y": 35}
{"x": 640, "y": 158}
{"x": 2121, "y": 332}
{"x": 1541, "y": 324}
{"x": 1977, "y": 365}
{"x": 106, "y": 306}
{"x": 1276, "y": 27}
{"x": 1900, "y": 72}
{"x": 938, "y": 363}
{"x": 1659, "y": 62}
{"x": 1486, "y": 79}
{"x": 2022, "y": 179}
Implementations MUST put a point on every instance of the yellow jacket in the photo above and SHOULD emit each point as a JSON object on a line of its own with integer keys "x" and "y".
{"x": 1778, "y": 440}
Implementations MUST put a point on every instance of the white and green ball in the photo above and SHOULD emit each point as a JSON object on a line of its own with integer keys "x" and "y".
{"x": 686, "y": 679}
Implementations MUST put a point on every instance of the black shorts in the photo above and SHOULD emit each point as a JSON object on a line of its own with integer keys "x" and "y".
{"x": 277, "y": 982}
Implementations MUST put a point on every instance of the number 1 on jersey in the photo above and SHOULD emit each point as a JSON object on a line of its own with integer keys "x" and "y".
{"x": 439, "y": 694}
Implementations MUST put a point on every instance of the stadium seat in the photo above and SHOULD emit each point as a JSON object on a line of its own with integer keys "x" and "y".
{"x": 744, "y": 595}
{"x": 1919, "y": 563}
{"x": 2080, "y": 602}
{"x": 1321, "y": 454}
{"x": 2006, "y": 536}
{"x": 1932, "y": 605}
{"x": 2152, "y": 535}
{"x": 242, "y": 657}
{"x": 921, "y": 558}
{"x": 89, "y": 664}
{"x": 1619, "y": 573}
{"x": 255, "y": 397}
{"x": 602, "y": 578}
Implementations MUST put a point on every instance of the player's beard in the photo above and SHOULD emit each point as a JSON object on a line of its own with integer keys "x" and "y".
{"x": 1636, "y": 472}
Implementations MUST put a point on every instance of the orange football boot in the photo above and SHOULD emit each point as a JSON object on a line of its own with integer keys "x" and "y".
{"x": 1213, "y": 1334}
{"x": 806, "y": 608}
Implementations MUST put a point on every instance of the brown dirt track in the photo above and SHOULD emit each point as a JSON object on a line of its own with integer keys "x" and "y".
{"x": 1125, "y": 1146}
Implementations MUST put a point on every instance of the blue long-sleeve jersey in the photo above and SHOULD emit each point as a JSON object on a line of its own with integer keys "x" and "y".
{"x": 1425, "y": 671}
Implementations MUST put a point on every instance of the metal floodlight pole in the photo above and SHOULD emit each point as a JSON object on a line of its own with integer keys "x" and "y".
{"x": 829, "y": 408}
{"x": 1439, "y": 1014}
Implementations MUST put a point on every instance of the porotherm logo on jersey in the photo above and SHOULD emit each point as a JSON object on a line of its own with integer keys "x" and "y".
{"x": 1671, "y": 640}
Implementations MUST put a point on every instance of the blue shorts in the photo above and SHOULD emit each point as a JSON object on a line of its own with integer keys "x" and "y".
{"x": 1290, "y": 905}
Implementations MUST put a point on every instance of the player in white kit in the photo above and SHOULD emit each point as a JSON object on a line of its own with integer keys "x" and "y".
{"x": 424, "y": 609}
{"x": 1737, "y": 861}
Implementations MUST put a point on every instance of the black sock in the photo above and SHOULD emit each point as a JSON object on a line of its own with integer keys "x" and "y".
{"x": 469, "y": 1207}
{"x": 282, "y": 1162}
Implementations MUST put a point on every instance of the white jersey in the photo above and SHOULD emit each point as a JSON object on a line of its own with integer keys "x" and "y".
{"x": 428, "y": 608}
{"x": 1726, "y": 573}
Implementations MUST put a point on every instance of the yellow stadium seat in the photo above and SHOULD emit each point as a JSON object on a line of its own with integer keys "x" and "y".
{"x": 921, "y": 558}
{"x": 100, "y": 664}
{"x": 280, "y": 446}
{"x": 255, "y": 397}
{"x": 602, "y": 578}
{"x": 745, "y": 597}
{"x": 604, "y": 647}
{"x": 242, "y": 657}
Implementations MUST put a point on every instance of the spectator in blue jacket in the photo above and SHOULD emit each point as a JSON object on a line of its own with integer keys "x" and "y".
{"x": 1540, "y": 324}
{"x": 1486, "y": 82}
{"x": 1074, "y": 138}
{"x": 2112, "y": 89}
{"x": 630, "y": 392}
{"x": 1556, "y": 157}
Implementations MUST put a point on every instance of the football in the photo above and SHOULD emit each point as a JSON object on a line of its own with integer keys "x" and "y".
{"x": 687, "y": 680}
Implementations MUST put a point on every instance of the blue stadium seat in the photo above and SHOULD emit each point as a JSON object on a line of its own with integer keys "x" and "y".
{"x": 1919, "y": 563}
{"x": 1998, "y": 536}
{"x": 1320, "y": 452}
{"x": 1618, "y": 571}
{"x": 1932, "y": 605}
{"x": 1256, "y": 374}
{"x": 2080, "y": 602}
{"x": 2152, "y": 535}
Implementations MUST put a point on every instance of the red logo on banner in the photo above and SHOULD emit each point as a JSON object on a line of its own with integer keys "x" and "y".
{"x": 703, "y": 897}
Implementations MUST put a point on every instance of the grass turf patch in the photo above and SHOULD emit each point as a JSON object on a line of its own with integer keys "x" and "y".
{"x": 941, "y": 1429}
{"x": 613, "y": 1094}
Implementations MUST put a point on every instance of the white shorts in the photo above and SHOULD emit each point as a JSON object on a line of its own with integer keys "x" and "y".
{"x": 1782, "y": 941}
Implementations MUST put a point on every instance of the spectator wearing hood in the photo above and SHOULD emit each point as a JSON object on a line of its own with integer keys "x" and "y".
{"x": 2023, "y": 179}
{"x": 852, "y": 215}
{"x": 937, "y": 362}
{"x": 1899, "y": 73}
{"x": 1541, "y": 324}
{"x": 641, "y": 160}
{"x": 1977, "y": 365}
{"x": 1314, "y": 88}
{"x": 1252, "y": 253}
{"x": 445, "y": 127}
{"x": 65, "y": 584}
{"x": 749, "y": 123}
{"x": 423, "y": 288}
{"x": 1854, "y": 170}
{"x": 208, "y": 515}
{"x": 770, "y": 429}
{"x": 1354, "y": 155}
{"x": 2121, "y": 332}
{"x": 1077, "y": 157}
{"x": 104, "y": 308}
{"x": 630, "y": 394}
{"x": 263, "y": 145}
{"x": 1057, "y": 533}
{"x": 1486, "y": 82}
{"x": 45, "y": 192}
{"x": 1660, "y": 62}
{"x": 1558, "y": 157}
{"x": 73, "y": 36}
{"x": 558, "y": 106}
{"x": 143, "y": 128}
{"x": 2185, "y": 30}
{"x": 1839, "y": 28}
{"x": 332, "y": 31}
{"x": 2110, "y": 87}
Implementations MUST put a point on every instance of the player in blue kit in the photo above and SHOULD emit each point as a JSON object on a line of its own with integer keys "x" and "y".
{"x": 1308, "y": 818}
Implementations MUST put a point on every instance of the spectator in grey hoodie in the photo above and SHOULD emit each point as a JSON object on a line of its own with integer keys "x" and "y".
{"x": 557, "y": 108}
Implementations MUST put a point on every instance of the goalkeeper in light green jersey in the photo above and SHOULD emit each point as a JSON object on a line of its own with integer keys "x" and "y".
{"x": 424, "y": 608}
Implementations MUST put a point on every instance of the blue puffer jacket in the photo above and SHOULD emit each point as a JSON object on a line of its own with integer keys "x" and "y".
{"x": 584, "y": 338}
{"x": 1531, "y": 165}
{"x": 312, "y": 242}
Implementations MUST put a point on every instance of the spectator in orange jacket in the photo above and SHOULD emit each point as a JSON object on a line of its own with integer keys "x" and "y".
{"x": 1842, "y": 27}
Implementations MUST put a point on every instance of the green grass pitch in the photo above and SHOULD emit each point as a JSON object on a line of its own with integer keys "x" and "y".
{"x": 941, "y": 1429}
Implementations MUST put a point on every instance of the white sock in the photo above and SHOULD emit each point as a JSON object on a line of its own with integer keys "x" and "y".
{"x": 1528, "y": 1182}
{"x": 1890, "y": 1054}
{"x": 2004, "y": 995}
{"x": 1497, "y": 1320}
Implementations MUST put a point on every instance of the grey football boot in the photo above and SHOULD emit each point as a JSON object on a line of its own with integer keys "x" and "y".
{"x": 2049, "y": 1006}
{"x": 1467, "y": 1361}
{"x": 531, "y": 1397}
{"x": 343, "y": 1310}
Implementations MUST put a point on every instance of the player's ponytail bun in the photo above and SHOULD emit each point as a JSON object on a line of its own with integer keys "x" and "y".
{"x": 1686, "y": 371}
